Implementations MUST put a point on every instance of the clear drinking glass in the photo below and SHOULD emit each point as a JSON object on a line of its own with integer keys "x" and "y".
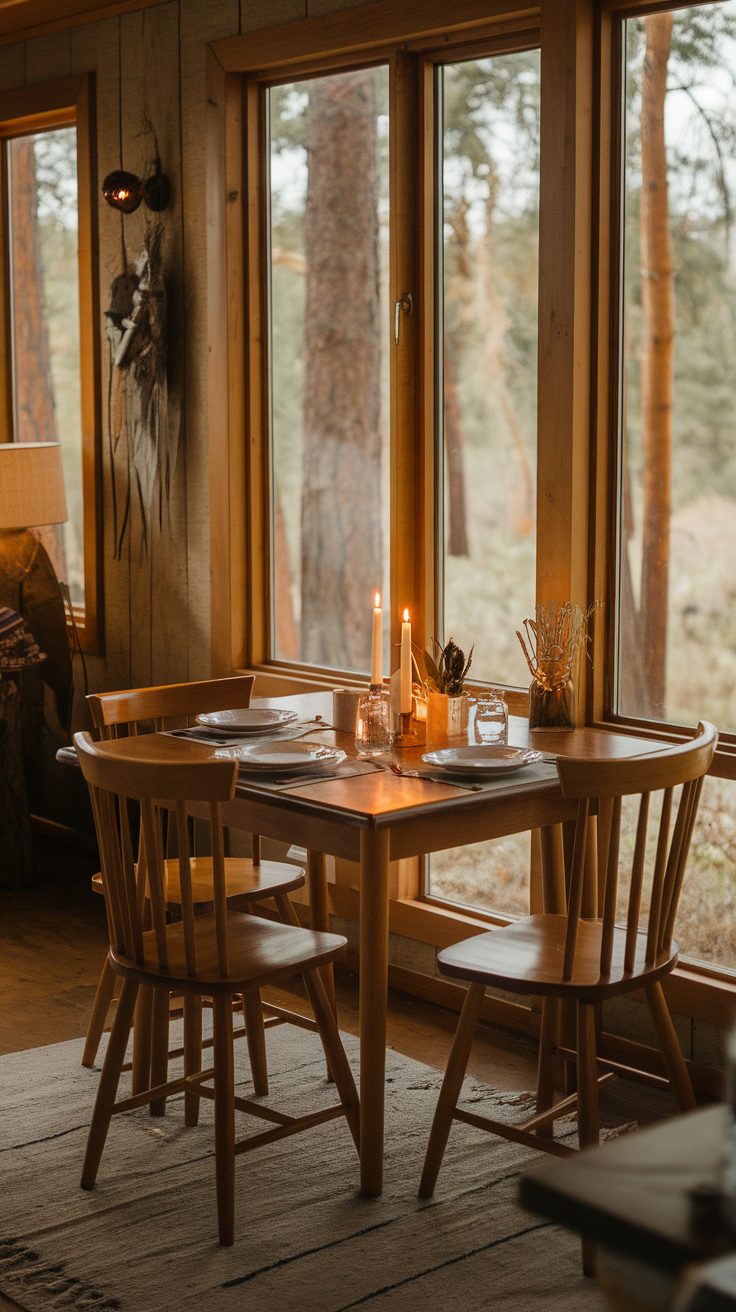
{"x": 491, "y": 723}
{"x": 373, "y": 733}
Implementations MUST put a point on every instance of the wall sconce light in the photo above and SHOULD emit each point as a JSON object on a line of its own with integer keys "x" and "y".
{"x": 125, "y": 191}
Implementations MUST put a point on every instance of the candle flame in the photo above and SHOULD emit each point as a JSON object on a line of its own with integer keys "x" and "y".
{"x": 406, "y": 617}
{"x": 378, "y": 600}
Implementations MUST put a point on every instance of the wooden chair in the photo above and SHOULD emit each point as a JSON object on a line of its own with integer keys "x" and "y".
{"x": 247, "y": 880}
{"x": 582, "y": 956}
{"x": 219, "y": 955}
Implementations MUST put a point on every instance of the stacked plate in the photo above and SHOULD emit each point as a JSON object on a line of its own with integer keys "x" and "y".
{"x": 284, "y": 758}
{"x": 481, "y": 762}
{"x": 248, "y": 721}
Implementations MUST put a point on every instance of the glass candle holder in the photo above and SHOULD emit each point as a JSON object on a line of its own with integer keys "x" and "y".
{"x": 373, "y": 732}
{"x": 491, "y": 722}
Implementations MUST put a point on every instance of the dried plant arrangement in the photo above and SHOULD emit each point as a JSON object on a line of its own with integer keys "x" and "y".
{"x": 447, "y": 668}
{"x": 554, "y": 637}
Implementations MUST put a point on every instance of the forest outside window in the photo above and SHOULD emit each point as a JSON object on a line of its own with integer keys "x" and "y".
{"x": 344, "y": 444}
{"x": 328, "y": 238}
{"x": 49, "y": 360}
{"x": 676, "y": 487}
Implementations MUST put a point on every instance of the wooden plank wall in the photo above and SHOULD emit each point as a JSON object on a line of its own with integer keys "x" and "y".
{"x": 150, "y": 65}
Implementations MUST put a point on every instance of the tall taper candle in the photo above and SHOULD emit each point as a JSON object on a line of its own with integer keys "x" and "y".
{"x": 377, "y": 661}
{"x": 405, "y": 703}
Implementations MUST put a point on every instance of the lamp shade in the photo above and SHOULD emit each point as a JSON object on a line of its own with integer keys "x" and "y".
{"x": 31, "y": 485}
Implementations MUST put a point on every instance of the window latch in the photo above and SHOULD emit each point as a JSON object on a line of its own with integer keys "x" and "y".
{"x": 406, "y": 304}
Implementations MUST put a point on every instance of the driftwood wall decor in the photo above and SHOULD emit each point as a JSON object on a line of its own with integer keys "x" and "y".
{"x": 140, "y": 415}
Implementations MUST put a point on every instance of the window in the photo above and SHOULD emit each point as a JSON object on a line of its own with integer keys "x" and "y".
{"x": 367, "y": 344}
{"x": 488, "y": 126}
{"x": 567, "y": 303}
{"x": 51, "y": 358}
{"x": 673, "y": 656}
{"x": 329, "y": 385}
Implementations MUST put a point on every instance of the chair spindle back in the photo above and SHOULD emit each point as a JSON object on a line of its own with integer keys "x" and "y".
{"x": 608, "y": 782}
{"x": 117, "y": 771}
{"x": 114, "y": 711}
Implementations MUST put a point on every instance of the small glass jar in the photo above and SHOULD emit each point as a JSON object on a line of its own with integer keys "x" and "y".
{"x": 373, "y": 732}
{"x": 491, "y": 720}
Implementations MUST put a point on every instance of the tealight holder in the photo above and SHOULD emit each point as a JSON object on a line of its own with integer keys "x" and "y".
{"x": 373, "y": 731}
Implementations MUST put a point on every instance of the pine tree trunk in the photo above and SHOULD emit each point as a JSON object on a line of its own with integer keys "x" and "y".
{"x": 457, "y": 537}
{"x": 658, "y": 306}
{"x": 34, "y": 394}
{"x": 341, "y": 491}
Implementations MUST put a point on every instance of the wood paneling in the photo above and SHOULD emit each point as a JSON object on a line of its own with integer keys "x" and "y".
{"x": 48, "y": 57}
{"x": 565, "y": 234}
{"x": 200, "y": 23}
{"x": 168, "y": 534}
{"x": 96, "y": 48}
{"x": 13, "y": 67}
{"x": 369, "y": 25}
{"x": 32, "y": 19}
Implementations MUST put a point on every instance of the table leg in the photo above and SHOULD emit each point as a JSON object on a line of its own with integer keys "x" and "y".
{"x": 374, "y": 854}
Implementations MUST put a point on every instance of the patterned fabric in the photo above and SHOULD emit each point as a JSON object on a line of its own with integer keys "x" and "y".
{"x": 17, "y": 648}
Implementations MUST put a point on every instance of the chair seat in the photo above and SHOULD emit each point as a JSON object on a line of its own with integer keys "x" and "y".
{"x": 243, "y": 880}
{"x": 259, "y": 952}
{"x": 527, "y": 957}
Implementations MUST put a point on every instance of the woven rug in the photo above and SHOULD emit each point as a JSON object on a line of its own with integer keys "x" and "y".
{"x": 145, "y": 1239}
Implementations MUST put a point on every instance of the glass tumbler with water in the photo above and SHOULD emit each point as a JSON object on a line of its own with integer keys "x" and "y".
{"x": 491, "y": 723}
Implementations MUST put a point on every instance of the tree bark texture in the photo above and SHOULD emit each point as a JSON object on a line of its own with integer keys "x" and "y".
{"x": 341, "y": 488}
{"x": 657, "y": 356}
{"x": 457, "y": 538}
{"x": 35, "y": 419}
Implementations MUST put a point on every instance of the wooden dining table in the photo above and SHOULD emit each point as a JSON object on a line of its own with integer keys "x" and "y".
{"x": 376, "y": 818}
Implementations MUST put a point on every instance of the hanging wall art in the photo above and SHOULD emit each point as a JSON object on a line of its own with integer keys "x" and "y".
{"x": 142, "y": 420}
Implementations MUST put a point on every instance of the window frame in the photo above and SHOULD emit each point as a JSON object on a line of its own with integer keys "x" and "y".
{"x": 63, "y": 103}
{"x": 608, "y": 359}
{"x": 289, "y": 54}
{"x": 578, "y": 111}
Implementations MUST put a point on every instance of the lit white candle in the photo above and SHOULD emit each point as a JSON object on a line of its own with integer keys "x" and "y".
{"x": 405, "y": 704}
{"x": 377, "y": 661}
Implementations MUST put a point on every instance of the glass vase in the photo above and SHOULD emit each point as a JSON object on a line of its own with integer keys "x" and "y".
{"x": 552, "y": 707}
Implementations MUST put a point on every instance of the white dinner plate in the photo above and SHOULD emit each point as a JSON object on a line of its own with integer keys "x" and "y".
{"x": 482, "y": 760}
{"x": 247, "y": 721}
{"x": 284, "y": 757}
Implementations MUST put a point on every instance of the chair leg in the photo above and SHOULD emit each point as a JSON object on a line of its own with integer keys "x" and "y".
{"x": 159, "y": 1048}
{"x": 674, "y": 1062}
{"x": 548, "y": 1039}
{"x": 256, "y": 1038}
{"x": 222, "y": 1019}
{"x": 286, "y": 910}
{"x": 142, "y": 1040}
{"x": 103, "y": 998}
{"x": 451, "y": 1086}
{"x": 192, "y": 1052}
{"x": 108, "y": 1085}
{"x": 337, "y": 1061}
{"x": 588, "y": 1111}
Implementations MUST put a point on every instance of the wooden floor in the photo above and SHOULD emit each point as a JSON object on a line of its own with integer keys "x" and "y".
{"x": 54, "y": 944}
{"x": 55, "y": 940}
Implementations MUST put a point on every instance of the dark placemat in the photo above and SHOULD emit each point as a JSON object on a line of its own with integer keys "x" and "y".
{"x": 343, "y": 771}
{"x": 539, "y": 772}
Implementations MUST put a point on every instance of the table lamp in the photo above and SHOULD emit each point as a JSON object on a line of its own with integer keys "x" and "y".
{"x": 32, "y": 494}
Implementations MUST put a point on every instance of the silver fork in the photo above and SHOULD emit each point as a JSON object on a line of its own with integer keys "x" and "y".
{"x": 431, "y": 778}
